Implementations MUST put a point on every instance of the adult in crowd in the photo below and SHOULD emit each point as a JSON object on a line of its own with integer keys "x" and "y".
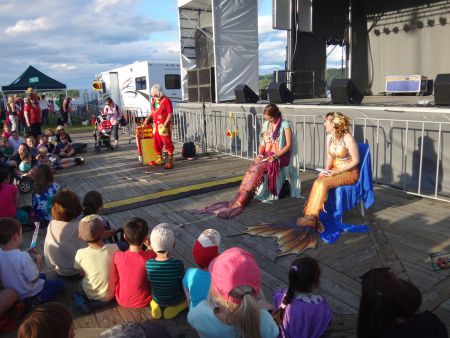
{"x": 114, "y": 114}
{"x": 65, "y": 112}
{"x": 12, "y": 113}
{"x": 32, "y": 113}
{"x": 162, "y": 114}
{"x": 43, "y": 104}
{"x": 18, "y": 103}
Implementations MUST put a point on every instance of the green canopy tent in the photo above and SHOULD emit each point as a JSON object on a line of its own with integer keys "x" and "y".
{"x": 34, "y": 78}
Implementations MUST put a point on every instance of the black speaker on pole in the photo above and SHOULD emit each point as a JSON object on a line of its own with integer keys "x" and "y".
{"x": 279, "y": 93}
{"x": 442, "y": 90}
{"x": 344, "y": 91}
{"x": 244, "y": 94}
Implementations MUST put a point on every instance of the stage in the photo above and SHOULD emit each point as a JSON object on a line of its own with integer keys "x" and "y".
{"x": 404, "y": 229}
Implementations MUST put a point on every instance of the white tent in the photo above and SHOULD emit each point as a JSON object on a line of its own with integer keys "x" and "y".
{"x": 234, "y": 27}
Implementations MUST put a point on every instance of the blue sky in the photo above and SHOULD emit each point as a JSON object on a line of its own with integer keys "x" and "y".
{"x": 72, "y": 41}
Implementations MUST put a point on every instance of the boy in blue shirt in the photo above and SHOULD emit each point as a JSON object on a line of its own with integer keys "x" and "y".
{"x": 196, "y": 281}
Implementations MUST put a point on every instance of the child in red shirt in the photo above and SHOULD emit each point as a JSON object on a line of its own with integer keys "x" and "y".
{"x": 133, "y": 287}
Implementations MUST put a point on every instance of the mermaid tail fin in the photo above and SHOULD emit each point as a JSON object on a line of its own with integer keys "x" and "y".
{"x": 291, "y": 237}
{"x": 252, "y": 179}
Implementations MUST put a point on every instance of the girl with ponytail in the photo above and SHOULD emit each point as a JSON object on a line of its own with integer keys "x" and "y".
{"x": 232, "y": 308}
{"x": 299, "y": 312}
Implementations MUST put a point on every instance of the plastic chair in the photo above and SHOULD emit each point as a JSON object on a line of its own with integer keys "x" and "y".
{"x": 347, "y": 197}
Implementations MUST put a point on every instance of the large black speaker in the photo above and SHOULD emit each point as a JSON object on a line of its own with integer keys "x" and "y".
{"x": 344, "y": 91}
{"x": 279, "y": 93}
{"x": 244, "y": 94}
{"x": 442, "y": 90}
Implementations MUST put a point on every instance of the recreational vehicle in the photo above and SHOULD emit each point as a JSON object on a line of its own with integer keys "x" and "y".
{"x": 129, "y": 86}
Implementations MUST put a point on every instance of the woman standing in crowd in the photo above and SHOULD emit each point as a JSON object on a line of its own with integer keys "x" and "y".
{"x": 32, "y": 113}
{"x": 114, "y": 115}
{"x": 12, "y": 113}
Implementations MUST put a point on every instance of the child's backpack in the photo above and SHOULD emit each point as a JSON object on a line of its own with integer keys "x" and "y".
{"x": 188, "y": 150}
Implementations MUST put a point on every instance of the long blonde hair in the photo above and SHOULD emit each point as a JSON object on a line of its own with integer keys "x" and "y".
{"x": 341, "y": 124}
{"x": 245, "y": 316}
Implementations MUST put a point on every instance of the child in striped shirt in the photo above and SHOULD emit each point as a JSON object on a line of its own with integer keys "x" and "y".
{"x": 165, "y": 275}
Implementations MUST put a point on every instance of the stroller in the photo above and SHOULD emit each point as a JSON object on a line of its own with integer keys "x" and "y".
{"x": 102, "y": 133}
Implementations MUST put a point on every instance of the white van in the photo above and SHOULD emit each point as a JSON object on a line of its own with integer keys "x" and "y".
{"x": 129, "y": 86}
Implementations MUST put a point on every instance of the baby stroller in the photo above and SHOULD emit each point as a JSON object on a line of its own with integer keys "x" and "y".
{"x": 102, "y": 133}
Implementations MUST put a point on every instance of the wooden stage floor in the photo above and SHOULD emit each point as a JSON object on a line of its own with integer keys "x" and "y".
{"x": 404, "y": 230}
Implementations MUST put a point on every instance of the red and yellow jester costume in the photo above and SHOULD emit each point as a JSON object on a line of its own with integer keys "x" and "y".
{"x": 161, "y": 111}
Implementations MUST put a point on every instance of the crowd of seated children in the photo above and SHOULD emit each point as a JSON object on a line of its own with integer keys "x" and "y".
{"x": 20, "y": 270}
{"x": 196, "y": 281}
{"x": 95, "y": 262}
{"x": 43, "y": 194}
{"x": 165, "y": 274}
{"x": 300, "y": 312}
{"x": 232, "y": 309}
{"x": 133, "y": 288}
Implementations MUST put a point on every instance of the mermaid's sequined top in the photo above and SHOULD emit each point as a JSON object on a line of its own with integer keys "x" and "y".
{"x": 338, "y": 150}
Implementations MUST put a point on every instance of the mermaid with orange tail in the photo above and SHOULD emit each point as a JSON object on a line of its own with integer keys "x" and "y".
{"x": 341, "y": 169}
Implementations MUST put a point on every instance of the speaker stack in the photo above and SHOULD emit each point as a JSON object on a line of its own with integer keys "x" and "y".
{"x": 244, "y": 94}
{"x": 344, "y": 91}
{"x": 442, "y": 90}
{"x": 201, "y": 85}
{"x": 279, "y": 93}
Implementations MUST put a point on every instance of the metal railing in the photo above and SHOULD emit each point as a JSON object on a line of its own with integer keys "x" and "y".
{"x": 407, "y": 155}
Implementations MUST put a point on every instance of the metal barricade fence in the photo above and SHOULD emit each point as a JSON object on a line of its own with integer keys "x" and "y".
{"x": 407, "y": 155}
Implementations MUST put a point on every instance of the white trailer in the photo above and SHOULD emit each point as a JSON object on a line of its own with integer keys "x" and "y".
{"x": 129, "y": 86}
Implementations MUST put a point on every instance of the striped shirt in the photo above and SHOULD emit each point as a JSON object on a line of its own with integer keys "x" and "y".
{"x": 166, "y": 280}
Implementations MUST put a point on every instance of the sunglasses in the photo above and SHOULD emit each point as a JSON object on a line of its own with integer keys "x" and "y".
{"x": 384, "y": 269}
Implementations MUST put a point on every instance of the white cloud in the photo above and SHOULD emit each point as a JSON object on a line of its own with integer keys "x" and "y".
{"x": 264, "y": 24}
{"x": 62, "y": 66}
{"x": 27, "y": 26}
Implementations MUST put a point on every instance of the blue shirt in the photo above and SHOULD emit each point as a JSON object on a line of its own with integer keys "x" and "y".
{"x": 197, "y": 282}
{"x": 207, "y": 325}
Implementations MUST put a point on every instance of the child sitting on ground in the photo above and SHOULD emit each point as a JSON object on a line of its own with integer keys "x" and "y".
{"x": 64, "y": 148}
{"x": 9, "y": 199}
{"x": 48, "y": 320}
{"x": 95, "y": 262}
{"x": 43, "y": 143}
{"x": 92, "y": 205}
{"x": 25, "y": 164}
{"x": 196, "y": 281}
{"x": 20, "y": 270}
{"x": 232, "y": 309}
{"x": 133, "y": 287}
{"x": 165, "y": 274}
{"x": 6, "y": 131}
{"x": 44, "y": 191}
{"x": 299, "y": 312}
{"x": 42, "y": 157}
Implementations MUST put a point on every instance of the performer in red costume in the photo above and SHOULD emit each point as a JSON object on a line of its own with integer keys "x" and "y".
{"x": 162, "y": 113}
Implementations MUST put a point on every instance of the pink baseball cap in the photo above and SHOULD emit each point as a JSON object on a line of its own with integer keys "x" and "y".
{"x": 233, "y": 268}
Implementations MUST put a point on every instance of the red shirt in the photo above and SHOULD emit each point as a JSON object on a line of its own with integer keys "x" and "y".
{"x": 35, "y": 113}
{"x": 8, "y": 201}
{"x": 161, "y": 109}
{"x": 133, "y": 287}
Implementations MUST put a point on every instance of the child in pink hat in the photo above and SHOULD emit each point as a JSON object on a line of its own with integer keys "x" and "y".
{"x": 232, "y": 309}
{"x": 196, "y": 281}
